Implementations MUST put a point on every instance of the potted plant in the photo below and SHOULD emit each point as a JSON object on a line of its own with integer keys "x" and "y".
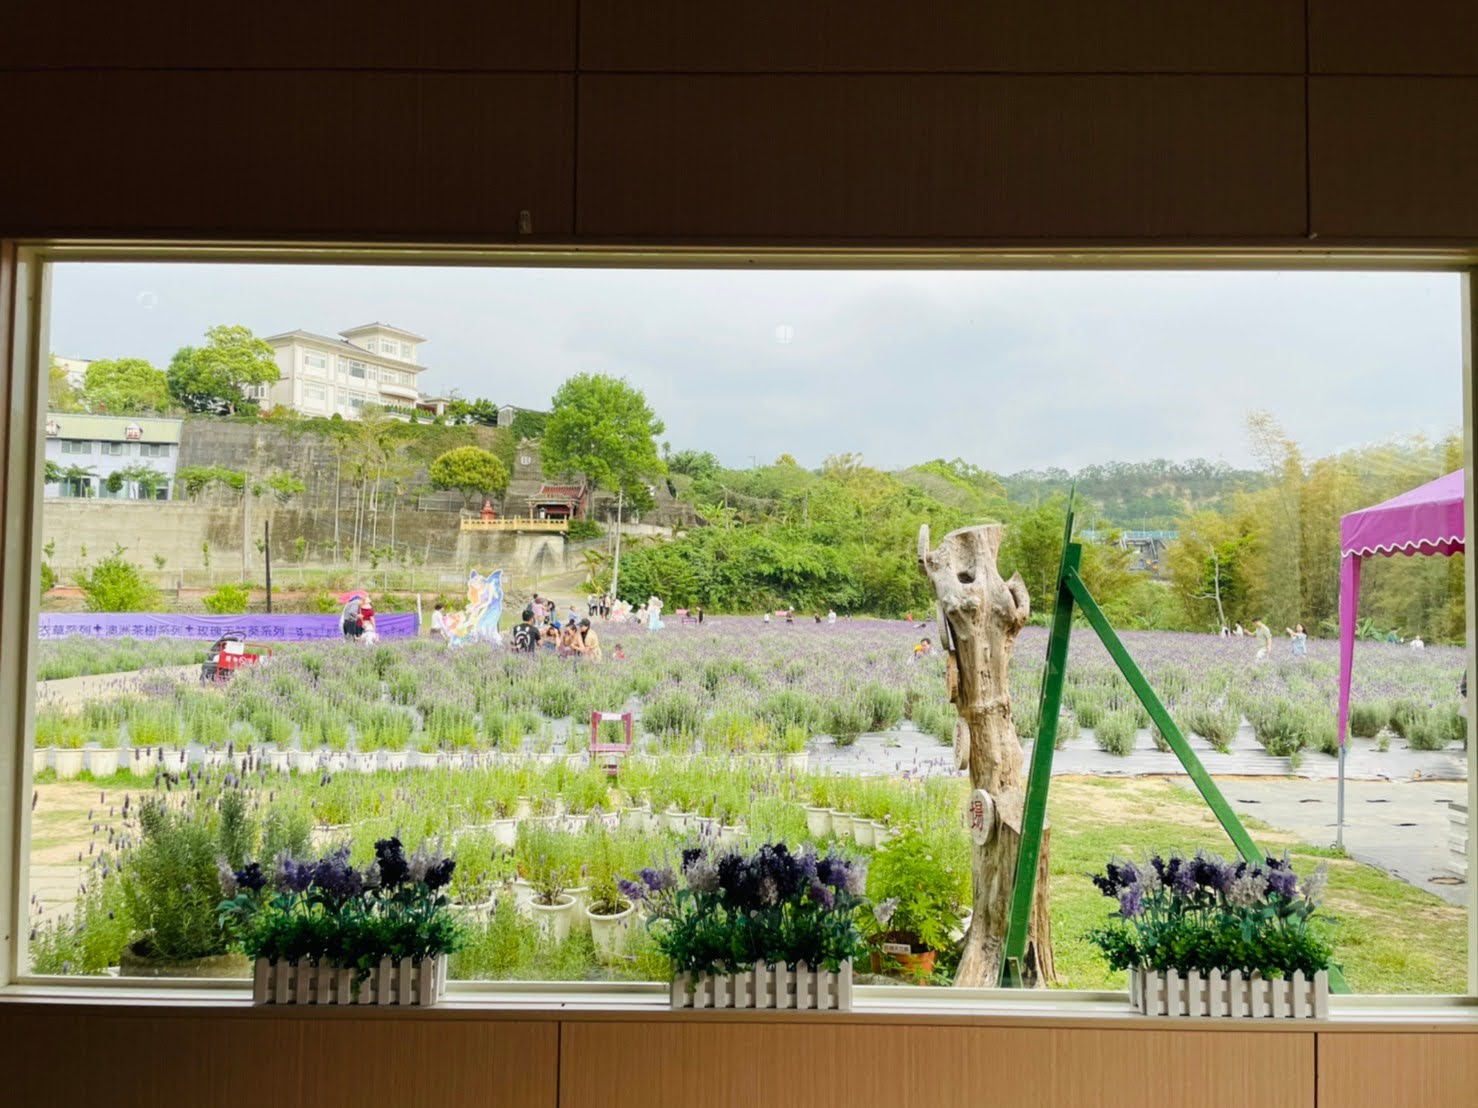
{"x": 102, "y": 752}
{"x": 169, "y": 890}
{"x": 542, "y": 891}
{"x": 609, "y": 913}
{"x": 818, "y": 812}
{"x": 767, "y": 930}
{"x": 917, "y": 886}
{"x": 323, "y": 932}
{"x": 790, "y": 744}
{"x": 1205, "y": 937}
{"x": 67, "y": 758}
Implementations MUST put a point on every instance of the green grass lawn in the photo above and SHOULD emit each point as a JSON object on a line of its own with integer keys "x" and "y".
{"x": 1389, "y": 936}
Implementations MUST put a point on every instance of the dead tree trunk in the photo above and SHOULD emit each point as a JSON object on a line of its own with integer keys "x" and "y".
{"x": 980, "y": 617}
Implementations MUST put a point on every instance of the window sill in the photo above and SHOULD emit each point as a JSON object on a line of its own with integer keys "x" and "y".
{"x": 986, "y": 1007}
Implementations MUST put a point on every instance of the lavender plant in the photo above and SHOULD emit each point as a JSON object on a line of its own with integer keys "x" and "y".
{"x": 728, "y": 911}
{"x": 1205, "y": 913}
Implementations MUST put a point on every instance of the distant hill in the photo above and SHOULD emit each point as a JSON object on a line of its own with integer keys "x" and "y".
{"x": 1151, "y": 495}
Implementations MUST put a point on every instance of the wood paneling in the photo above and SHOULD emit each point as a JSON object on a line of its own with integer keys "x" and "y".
{"x": 874, "y": 158}
{"x": 1379, "y": 36}
{"x": 1048, "y": 36}
{"x": 831, "y": 1066}
{"x": 1413, "y": 1071}
{"x": 291, "y": 34}
{"x": 1394, "y": 157}
{"x": 262, "y": 153}
{"x": 145, "y": 1059}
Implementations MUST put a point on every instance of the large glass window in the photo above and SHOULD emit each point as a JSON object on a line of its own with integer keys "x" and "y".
{"x": 763, "y": 661}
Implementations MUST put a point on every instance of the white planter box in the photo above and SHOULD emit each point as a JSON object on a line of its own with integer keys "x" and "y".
{"x": 400, "y": 983}
{"x": 841, "y": 824}
{"x": 862, "y": 831}
{"x": 39, "y": 758}
{"x": 102, "y": 761}
{"x": 1231, "y": 995}
{"x": 802, "y": 989}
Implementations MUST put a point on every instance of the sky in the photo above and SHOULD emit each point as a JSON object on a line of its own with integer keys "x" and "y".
{"x": 1009, "y": 370}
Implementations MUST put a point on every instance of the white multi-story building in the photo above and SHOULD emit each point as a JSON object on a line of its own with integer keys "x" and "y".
{"x": 323, "y": 376}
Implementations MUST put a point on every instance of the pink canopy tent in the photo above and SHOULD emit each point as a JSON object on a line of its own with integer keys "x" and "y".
{"x": 1426, "y": 520}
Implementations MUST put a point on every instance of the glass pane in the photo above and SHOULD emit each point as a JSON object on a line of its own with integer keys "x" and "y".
{"x": 768, "y": 666}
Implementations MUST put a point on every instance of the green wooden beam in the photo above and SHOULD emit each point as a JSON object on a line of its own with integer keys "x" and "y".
{"x": 1039, "y": 778}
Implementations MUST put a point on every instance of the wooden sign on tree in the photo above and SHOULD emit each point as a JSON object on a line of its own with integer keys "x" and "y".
{"x": 981, "y": 615}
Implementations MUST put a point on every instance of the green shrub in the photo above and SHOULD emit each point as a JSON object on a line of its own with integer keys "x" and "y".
{"x": 1216, "y": 723}
{"x": 791, "y": 707}
{"x": 583, "y": 530}
{"x": 227, "y": 600}
{"x": 883, "y": 705}
{"x": 1405, "y": 713}
{"x": 48, "y": 578}
{"x": 170, "y": 885}
{"x": 1435, "y": 728}
{"x": 1367, "y": 720}
{"x": 1025, "y": 718}
{"x": 1281, "y": 727}
{"x": 1088, "y": 710}
{"x": 935, "y": 717}
{"x": 1116, "y": 731}
{"x": 672, "y": 711}
{"x": 846, "y": 719}
{"x": 117, "y": 585}
{"x": 1067, "y": 729}
{"x": 930, "y": 880}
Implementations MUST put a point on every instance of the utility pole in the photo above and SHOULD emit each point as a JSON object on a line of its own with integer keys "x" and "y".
{"x": 267, "y": 556}
{"x": 616, "y": 567}
{"x": 338, "y": 461}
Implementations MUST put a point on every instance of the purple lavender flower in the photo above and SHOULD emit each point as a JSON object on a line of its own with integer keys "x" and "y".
{"x": 633, "y": 891}
{"x": 1131, "y": 902}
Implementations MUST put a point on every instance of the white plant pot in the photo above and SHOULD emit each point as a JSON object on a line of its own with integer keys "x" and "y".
{"x": 39, "y": 758}
{"x": 707, "y": 827}
{"x": 102, "y": 761}
{"x": 523, "y": 807}
{"x": 797, "y": 762}
{"x": 818, "y": 822}
{"x": 364, "y": 761}
{"x": 505, "y": 832}
{"x": 578, "y": 922}
{"x": 213, "y": 759}
{"x": 1230, "y": 995}
{"x": 554, "y": 920}
{"x": 397, "y": 983}
{"x": 142, "y": 760}
{"x": 675, "y": 820}
{"x": 278, "y": 761}
{"x": 304, "y": 761}
{"x": 336, "y": 761}
{"x": 422, "y": 759}
{"x": 637, "y": 819}
{"x": 176, "y": 761}
{"x": 575, "y": 824}
{"x": 523, "y": 897}
{"x": 801, "y": 988}
{"x": 882, "y": 832}
{"x": 608, "y": 933}
{"x": 732, "y": 834}
{"x": 68, "y": 763}
{"x": 862, "y": 831}
{"x": 395, "y": 760}
{"x": 841, "y": 824}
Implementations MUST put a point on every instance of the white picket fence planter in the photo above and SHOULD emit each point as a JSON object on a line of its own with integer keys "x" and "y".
{"x": 399, "y": 983}
{"x": 801, "y": 989}
{"x": 1217, "y": 995}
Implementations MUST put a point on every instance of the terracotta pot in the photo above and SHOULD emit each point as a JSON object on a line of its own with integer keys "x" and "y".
{"x": 914, "y": 963}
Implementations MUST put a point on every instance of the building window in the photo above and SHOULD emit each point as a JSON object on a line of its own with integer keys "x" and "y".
{"x": 75, "y": 446}
{"x": 154, "y": 449}
{"x": 405, "y": 351}
{"x": 75, "y": 487}
{"x": 357, "y": 369}
{"x": 114, "y": 448}
{"x": 314, "y": 361}
{"x": 315, "y": 394}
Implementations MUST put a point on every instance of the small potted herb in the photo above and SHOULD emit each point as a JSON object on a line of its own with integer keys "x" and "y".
{"x": 1206, "y": 937}
{"x": 609, "y": 913}
{"x": 918, "y": 888}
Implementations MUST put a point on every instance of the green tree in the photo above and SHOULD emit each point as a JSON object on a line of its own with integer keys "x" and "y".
{"x": 60, "y": 395}
{"x": 602, "y": 430}
{"x": 471, "y": 471}
{"x": 211, "y": 378}
{"x": 148, "y": 479}
{"x": 116, "y": 585}
{"x": 125, "y": 386}
{"x": 480, "y": 411}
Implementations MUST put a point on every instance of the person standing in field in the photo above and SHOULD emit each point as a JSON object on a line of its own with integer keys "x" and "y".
{"x": 1300, "y": 640}
{"x": 1264, "y": 636}
{"x": 438, "y": 621}
{"x": 526, "y": 635}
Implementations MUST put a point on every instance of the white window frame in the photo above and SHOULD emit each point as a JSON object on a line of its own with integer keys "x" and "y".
{"x": 77, "y": 447}
{"x": 21, "y": 489}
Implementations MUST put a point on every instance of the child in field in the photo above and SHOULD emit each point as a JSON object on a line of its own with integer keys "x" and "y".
{"x": 620, "y": 654}
{"x": 1300, "y": 640}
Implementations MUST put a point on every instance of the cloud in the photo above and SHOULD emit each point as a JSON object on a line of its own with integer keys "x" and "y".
{"x": 1010, "y": 370}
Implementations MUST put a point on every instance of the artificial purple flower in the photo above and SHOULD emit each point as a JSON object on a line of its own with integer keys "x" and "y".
{"x": 821, "y": 895}
{"x": 633, "y": 891}
{"x": 1131, "y": 902}
{"x": 394, "y": 869}
{"x": 1281, "y": 878}
{"x": 439, "y": 873}
{"x": 250, "y": 877}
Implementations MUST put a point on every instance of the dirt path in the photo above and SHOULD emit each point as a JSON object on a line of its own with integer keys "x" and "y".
{"x": 75, "y": 692}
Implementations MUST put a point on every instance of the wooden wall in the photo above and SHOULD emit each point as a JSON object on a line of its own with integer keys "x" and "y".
{"x": 87, "y": 1054}
{"x": 861, "y": 122}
